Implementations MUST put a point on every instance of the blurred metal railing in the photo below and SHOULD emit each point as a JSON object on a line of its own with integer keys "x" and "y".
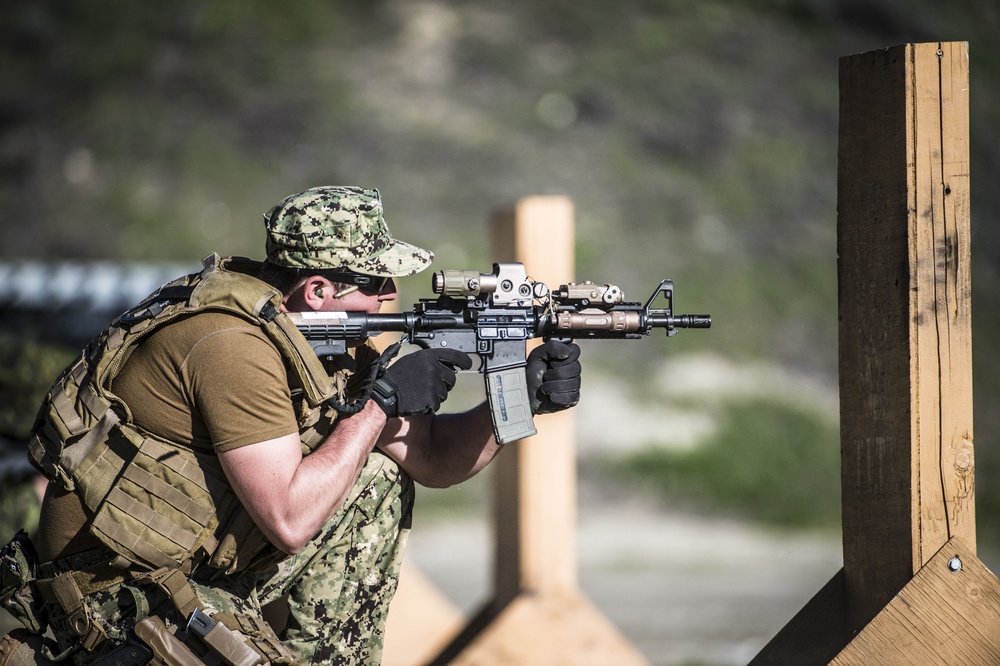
{"x": 70, "y": 302}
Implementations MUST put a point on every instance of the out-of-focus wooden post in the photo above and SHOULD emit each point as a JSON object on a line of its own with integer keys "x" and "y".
{"x": 538, "y": 615}
{"x": 535, "y": 493}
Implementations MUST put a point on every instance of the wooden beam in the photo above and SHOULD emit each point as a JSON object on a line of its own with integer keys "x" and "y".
{"x": 948, "y": 614}
{"x": 903, "y": 240}
{"x": 941, "y": 283}
{"x": 873, "y": 273}
{"x": 905, "y": 324}
{"x": 535, "y": 507}
{"x": 538, "y": 615}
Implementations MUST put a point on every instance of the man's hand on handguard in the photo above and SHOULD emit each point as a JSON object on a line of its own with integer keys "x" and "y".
{"x": 553, "y": 375}
{"x": 422, "y": 381}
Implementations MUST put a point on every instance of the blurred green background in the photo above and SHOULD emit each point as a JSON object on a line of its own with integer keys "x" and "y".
{"x": 697, "y": 139}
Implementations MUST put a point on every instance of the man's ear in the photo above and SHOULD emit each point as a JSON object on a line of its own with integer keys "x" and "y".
{"x": 315, "y": 290}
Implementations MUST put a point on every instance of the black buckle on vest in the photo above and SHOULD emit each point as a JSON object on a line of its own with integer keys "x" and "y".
{"x": 154, "y": 305}
{"x": 268, "y": 312}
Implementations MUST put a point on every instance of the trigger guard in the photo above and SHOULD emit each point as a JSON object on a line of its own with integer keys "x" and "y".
{"x": 478, "y": 362}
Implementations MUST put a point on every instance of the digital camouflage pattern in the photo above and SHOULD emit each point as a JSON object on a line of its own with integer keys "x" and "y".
{"x": 338, "y": 587}
{"x": 117, "y": 608}
{"x": 339, "y": 227}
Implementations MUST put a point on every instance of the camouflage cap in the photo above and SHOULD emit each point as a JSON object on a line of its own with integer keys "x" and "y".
{"x": 339, "y": 227}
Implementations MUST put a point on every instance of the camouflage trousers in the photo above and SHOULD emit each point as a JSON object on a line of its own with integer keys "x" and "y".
{"x": 338, "y": 588}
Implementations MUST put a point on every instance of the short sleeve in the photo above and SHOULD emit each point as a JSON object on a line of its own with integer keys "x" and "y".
{"x": 239, "y": 388}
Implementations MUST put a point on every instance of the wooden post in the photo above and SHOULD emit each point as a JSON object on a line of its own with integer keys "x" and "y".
{"x": 905, "y": 333}
{"x": 535, "y": 494}
{"x": 538, "y": 615}
{"x": 905, "y": 375}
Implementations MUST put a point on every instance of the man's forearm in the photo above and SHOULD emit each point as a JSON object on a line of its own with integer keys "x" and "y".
{"x": 440, "y": 450}
{"x": 468, "y": 440}
{"x": 325, "y": 477}
{"x": 290, "y": 497}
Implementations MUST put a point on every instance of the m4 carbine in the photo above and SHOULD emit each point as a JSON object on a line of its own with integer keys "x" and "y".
{"x": 492, "y": 315}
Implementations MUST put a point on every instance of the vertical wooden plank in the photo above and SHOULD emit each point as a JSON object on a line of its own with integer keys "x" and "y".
{"x": 905, "y": 327}
{"x": 536, "y": 478}
{"x": 903, "y": 242}
{"x": 958, "y": 458}
{"x": 537, "y": 615}
{"x": 941, "y": 299}
{"x": 873, "y": 269}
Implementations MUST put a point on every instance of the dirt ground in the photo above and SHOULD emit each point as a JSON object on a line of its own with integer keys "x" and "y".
{"x": 683, "y": 589}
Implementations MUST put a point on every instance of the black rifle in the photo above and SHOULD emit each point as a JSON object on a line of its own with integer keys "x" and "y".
{"x": 493, "y": 315}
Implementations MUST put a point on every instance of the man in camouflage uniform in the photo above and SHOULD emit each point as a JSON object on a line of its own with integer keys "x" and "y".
{"x": 335, "y": 510}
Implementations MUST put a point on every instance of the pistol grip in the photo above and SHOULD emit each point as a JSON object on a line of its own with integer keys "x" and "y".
{"x": 510, "y": 406}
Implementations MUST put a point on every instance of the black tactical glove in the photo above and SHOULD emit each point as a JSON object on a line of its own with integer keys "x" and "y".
{"x": 419, "y": 382}
{"x": 553, "y": 375}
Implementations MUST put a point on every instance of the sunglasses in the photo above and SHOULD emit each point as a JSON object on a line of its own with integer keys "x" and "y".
{"x": 370, "y": 283}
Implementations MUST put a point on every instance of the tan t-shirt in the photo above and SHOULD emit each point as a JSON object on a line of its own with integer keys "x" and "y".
{"x": 209, "y": 381}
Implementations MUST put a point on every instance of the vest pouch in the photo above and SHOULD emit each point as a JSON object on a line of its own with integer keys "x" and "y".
{"x": 241, "y": 544}
{"x": 68, "y": 413}
{"x": 18, "y": 590}
{"x": 159, "y": 512}
{"x": 243, "y": 547}
{"x": 315, "y": 425}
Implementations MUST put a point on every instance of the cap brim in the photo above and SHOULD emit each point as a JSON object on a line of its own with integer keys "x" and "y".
{"x": 399, "y": 259}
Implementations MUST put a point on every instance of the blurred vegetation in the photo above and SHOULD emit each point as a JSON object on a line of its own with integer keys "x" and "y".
{"x": 768, "y": 462}
{"x": 27, "y": 370}
{"x": 697, "y": 139}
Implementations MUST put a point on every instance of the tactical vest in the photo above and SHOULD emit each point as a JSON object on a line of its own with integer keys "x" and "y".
{"x": 159, "y": 504}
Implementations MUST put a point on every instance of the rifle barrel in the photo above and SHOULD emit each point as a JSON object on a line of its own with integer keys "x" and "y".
{"x": 657, "y": 320}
